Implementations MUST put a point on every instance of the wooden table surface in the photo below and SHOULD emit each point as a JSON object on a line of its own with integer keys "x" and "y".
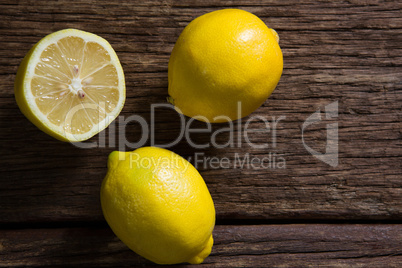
{"x": 306, "y": 214}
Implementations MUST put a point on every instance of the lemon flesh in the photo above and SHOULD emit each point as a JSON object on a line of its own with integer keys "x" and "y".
{"x": 222, "y": 60}
{"x": 70, "y": 85}
{"x": 157, "y": 203}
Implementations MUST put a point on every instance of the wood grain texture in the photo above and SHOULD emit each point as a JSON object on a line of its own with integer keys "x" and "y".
{"x": 345, "y": 51}
{"x": 311, "y": 245}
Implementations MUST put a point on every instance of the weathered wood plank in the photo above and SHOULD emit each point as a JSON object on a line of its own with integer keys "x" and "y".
{"x": 301, "y": 245}
{"x": 333, "y": 51}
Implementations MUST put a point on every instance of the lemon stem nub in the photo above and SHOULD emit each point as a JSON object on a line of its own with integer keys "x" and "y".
{"x": 276, "y": 35}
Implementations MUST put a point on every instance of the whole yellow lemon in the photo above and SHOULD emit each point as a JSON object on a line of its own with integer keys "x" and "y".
{"x": 157, "y": 203}
{"x": 222, "y": 60}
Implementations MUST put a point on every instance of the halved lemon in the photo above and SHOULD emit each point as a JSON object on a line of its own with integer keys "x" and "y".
{"x": 71, "y": 85}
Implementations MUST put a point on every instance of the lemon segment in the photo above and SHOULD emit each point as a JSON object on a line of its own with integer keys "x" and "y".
{"x": 71, "y": 85}
{"x": 158, "y": 204}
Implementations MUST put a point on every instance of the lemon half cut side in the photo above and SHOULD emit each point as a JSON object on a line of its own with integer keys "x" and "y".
{"x": 71, "y": 85}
